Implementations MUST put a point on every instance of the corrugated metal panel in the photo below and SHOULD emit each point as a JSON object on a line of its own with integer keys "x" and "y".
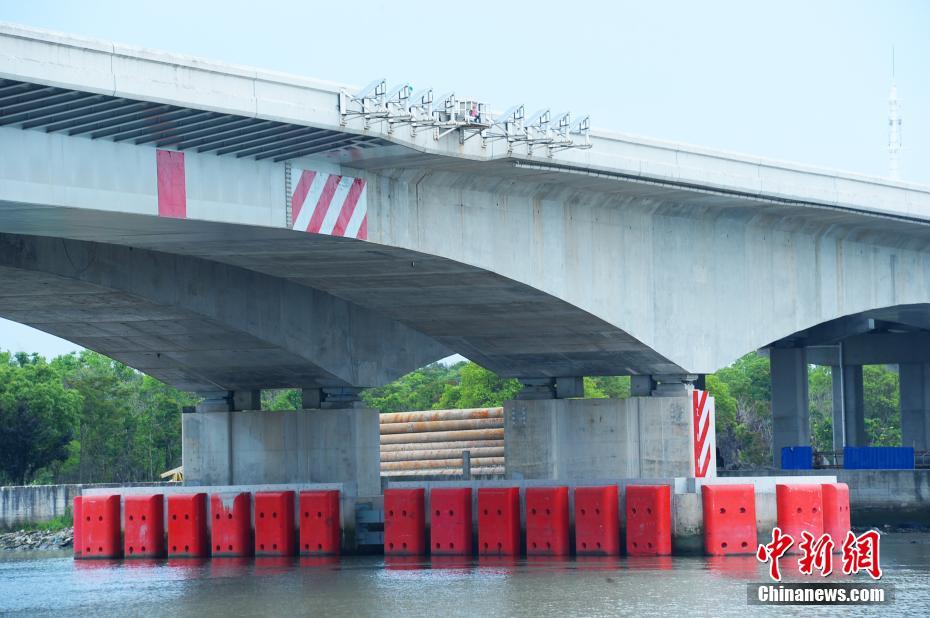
{"x": 878, "y": 458}
{"x": 797, "y": 458}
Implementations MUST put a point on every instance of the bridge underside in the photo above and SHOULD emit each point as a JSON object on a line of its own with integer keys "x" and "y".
{"x": 896, "y": 335}
{"x": 209, "y": 306}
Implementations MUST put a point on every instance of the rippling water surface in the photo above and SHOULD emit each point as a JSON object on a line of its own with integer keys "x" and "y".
{"x": 56, "y": 584}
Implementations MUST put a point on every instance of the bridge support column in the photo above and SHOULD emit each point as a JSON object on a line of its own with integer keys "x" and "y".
{"x": 323, "y": 445}
{"x": 596, "y": 439}
{"x": 915, "y": 405}
{"x": 853, "y": 407}
{"x": 790, "y": 411}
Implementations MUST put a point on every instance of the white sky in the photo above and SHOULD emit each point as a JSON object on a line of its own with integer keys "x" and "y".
{"x": 797, "y": 81}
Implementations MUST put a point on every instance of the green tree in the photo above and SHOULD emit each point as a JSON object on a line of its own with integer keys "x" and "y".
{"x": 747, "y": 438}
{"x": 820, "y": 398}
{"x": 419, "y": 390}
{"x": 613, "y": 387}
{"x": 281, "y": 399}
{"x": 157, "y": 443}
{"x": 478, "y": 388}
{"x": 882, "y": 406}
{"x": 36, "y": 416}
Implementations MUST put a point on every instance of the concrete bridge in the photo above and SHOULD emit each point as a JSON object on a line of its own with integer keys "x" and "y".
{"x": 226, "y": 229}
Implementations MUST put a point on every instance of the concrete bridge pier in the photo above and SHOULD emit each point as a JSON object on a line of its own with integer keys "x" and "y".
{"x": 848, "y": 407}
{"x": 572, "y": 439}
{"x": 915, "y": 405}
{"x": 229, "y": 440}
{"x": 790, "y": 412}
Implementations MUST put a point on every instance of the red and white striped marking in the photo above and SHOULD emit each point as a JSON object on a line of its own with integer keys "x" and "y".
{"x": 329, "y": 204}
{"x": 172, "y": 184}
{"x": 705, "y": 437}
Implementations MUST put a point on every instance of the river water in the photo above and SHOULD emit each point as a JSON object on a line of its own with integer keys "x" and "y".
{"x": 53, "y": 583}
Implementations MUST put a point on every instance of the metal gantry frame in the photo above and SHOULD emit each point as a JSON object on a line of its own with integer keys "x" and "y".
{"x": 448, "y": 114}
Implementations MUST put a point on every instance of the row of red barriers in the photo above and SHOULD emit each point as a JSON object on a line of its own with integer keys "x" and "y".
{"x": 730, "y": 514}
{"x": 228, "y": 532}
{"x": 648, "y": 517}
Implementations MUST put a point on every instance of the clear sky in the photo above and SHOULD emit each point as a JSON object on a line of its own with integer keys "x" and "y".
{"x": 797, "y": 81}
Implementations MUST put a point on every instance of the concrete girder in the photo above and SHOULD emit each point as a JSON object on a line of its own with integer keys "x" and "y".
{"x": 700, "y": 281}
{"x": 875, "y": 349}
{"x": 201, "y": 325}
{"x": 506, "y": 326}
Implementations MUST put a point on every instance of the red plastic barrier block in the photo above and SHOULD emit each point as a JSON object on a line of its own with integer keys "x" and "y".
{"x": 597, "y": 527}
{"x": 648, "y": 520}
{"x": 799, "y": 507}
{"x": 404, "y": 522}
{"x": 187, "y": 526}
{"x": 499, "y": 521}
{"x": 100, "y": 530}
{"x": 729, "y": 519}
{"x": 274, "y": 523}
{"x": 547, "y": 521}
{"x": 450, "y": 521}
{"x": 836, "y": 512}
{"x": 320, "y": 529}
{"x": 231, "y": 532}
{"x": 144, "y": 526}
{"x": 77, "y": 515}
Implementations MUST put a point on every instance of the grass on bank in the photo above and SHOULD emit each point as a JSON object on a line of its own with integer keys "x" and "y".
{"x": 56, "y": 524}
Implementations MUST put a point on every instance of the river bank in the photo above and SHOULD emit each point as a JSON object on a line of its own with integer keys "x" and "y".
{"x": 36, "y": 540}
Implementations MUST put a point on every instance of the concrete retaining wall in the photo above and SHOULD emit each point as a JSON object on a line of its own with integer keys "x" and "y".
{"x": 29, "y": 504}
{"x": 34, "y": 503}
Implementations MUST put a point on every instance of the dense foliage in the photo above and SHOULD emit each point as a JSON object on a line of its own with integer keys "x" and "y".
{"x": 86, "y": 418}
{"x": 742, "y": 394}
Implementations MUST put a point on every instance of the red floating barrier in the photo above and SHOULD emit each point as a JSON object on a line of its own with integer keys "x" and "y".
{"x": 274, "y": 523}
{"x": 231, "y": 532}
{"x": 320, "y": 529}
{"x": 547, "y": 521}
{"x": 404, "y": 522}
{"x": 729, "y": 519}
{"x": 499, "y": 521}
{"x": 187, "y": 526}
{"x": 597, "y": 527}
{"x": 648, "y": 520}
{"x": 836, "y": 512}
{"x": 144, "y": 526}
{"x": 77, "y": 515}
{"x": 450, "y": 521}
{"x": 100, "y": 530}
{"x": 799, "y": 508}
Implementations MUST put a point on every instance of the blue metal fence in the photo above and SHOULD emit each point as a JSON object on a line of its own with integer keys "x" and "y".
{"x": 878, "y": 458}
{"x": 797, "y": 458}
